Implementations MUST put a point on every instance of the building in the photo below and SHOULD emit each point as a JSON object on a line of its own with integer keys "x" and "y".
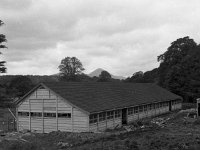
{"x": 90, "y": 107}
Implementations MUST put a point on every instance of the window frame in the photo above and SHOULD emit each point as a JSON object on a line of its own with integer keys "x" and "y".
{"x": 130, "y": 111}
{"x": 102, "y": 116}
{"x": 23, "y": 114}
{"x": 117, "y": 113}
{"x": 136, "y": 110}
{"x": 64, "y": 115}
{"x": 93, "y": 118}
{"x": 36, "y": 114}
{"x": 49, "y": 115}
{"x": 110, "y": 115}
{"x": 141, "y": 109}
{"x": 145, "y": 108}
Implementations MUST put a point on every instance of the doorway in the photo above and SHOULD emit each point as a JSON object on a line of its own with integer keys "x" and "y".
{"x": 170, "y": 105}
{"x": 198, "y": 109}
{"x": 124, "y": 116}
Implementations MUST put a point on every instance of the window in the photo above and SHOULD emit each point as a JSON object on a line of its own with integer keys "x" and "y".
{"x": 130, "y": 111}
{"x": 52, "y": 115}
{"x": 161, "y": 105}
{"x": 110, "y": 115}
{"x": 140, "y": 108}
{"x": 64, "y": 115}
{"x": 145, "y": 107}
{"x": 102, "y": 116}
{"x": 153, "y": 106}
{"x": 150, "y": 106}
{"x": 93, "y": 118}
{"x": 24, "y": 114}
{"x": 157, "y": 105}
{"x": 36, "y": 114}
{"x": 135, "y": 110}
{"x": 117, "y": 113}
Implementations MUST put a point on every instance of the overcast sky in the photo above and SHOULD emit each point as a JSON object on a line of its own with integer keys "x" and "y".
{"x": 120, "y": 36}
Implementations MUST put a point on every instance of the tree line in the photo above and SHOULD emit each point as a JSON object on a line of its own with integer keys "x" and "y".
{"x": 179, "y": 70}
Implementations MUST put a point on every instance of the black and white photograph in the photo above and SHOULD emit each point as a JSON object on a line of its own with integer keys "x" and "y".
{"x": 99, "y": 75}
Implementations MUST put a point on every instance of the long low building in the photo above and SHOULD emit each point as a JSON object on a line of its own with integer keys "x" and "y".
{"x": 91, "y": 106}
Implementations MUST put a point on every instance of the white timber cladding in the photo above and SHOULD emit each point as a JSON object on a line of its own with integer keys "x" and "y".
{"x": 133, "y": 113}
{"x": 43, "y": 112}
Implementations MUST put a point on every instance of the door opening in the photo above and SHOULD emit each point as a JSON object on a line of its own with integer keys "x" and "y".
{"x": 170, "y": 105}
{"x": 198, "y": 109}
{"x": 124, "y": 116}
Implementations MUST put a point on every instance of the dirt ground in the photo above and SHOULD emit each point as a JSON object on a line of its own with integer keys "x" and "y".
{"x": 172, "y": 131}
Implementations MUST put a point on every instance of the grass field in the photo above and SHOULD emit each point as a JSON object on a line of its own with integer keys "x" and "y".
{"x": 177, "y": 133}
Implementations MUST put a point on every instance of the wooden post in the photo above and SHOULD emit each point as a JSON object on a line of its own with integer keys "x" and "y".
{"x": 114, "y": 118}
{"x": 106, "y": 120}
{"x": 197, "y": 109}
{"x": 56, "y": 112}
{"x": 36, "y": 94}
{"x": 42, "y": 115}
{"x": 17, "y": 119}
{"x": 88, "y": 123}
{"x": 29, "y": 101}
{"x": 14, "y": 128}
{"x": 50, "y": 94}
{"x": 198, "y": 100}
{"x": 98, "y": 122}
{"x": 7, "y": 123}
{"x": 72, "y": 120}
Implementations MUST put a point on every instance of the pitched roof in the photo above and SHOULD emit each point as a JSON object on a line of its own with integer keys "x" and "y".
{"x": 98, "y": 96}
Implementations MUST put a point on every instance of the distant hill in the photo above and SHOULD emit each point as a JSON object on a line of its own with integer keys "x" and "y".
{"x": 98, "y": 71}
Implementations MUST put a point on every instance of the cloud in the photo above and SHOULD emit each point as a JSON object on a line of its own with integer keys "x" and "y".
{"x": 121, "y": 36}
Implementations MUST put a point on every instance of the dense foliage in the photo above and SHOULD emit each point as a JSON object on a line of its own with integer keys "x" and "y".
{"x": 69, "y": 68}
{"x": 104, "y": 77}
{"x": 3, "y": 97}
{"x": 179, "y": 69}
{"x": 2, "y": 40}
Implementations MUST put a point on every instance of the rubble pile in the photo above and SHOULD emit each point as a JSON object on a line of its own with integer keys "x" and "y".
{"x": 15, "y": 136}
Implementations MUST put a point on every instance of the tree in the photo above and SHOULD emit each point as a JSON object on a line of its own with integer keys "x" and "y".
{"x": 2, "y": 39}
{"x": 177, "y": 51}
{"x": 69, "y": 68}
{"x": 176, "y": 66}
{"x": 3, "y": 97}
{"x": 104, "y": 76}
{"x": 137, "y": 77}
{"x": 19, "y": 86}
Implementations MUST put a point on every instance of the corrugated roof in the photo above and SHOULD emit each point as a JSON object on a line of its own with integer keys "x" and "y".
{"x": 99, "y": 96}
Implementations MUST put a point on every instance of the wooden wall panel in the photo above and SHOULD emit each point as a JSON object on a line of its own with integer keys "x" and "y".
{"x": 80, "y": 121}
